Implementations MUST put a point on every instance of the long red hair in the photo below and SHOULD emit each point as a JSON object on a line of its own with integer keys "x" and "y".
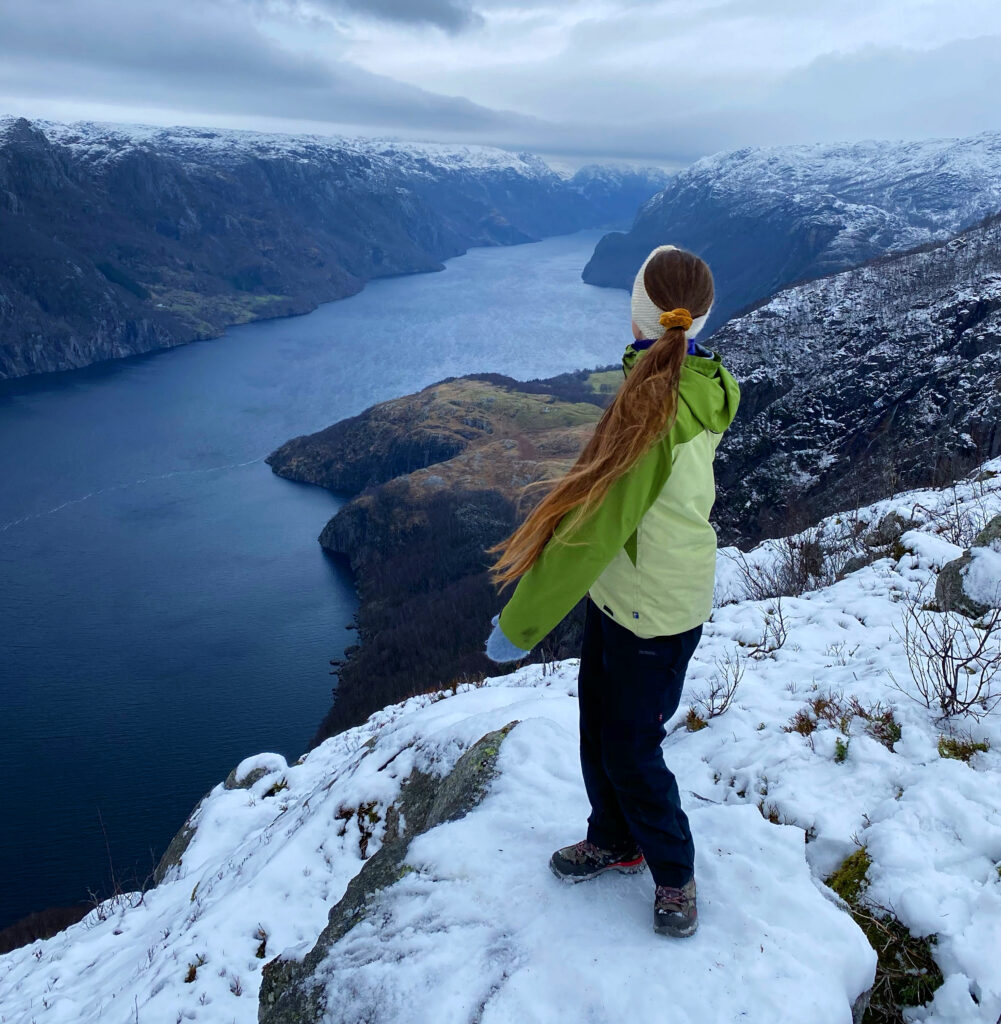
{"x": 644, "y": 408}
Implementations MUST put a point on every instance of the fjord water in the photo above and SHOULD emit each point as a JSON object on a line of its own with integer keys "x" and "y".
{"x": 165, "y": 609}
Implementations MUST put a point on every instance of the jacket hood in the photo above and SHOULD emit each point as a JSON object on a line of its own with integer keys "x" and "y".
{"x": 707, "y": 387}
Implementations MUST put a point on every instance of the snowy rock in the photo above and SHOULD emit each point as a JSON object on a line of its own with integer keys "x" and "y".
{"x": 990, "y": 535}
{"x": 889, "y": 529}
{"x": 252, "y": 769}
{"x": 982, "y": 578}
{"x": 971, "y": 584}
{"x": 472, "y": 924}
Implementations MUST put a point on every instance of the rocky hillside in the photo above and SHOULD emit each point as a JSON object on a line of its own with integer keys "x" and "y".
{"x": 859, "y": 384}
{"x": 848, "y": 843}
{"x": 766, "y": 218}
{"x": 439, "y": 474}
{"x": 116, "y": 240}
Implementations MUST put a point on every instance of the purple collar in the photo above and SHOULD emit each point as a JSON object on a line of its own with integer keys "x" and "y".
{"x": 645, "y": 343}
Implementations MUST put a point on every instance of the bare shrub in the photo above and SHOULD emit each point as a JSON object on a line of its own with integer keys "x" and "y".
{"x": 958, "y": 521}
{"x": 804, "y": 562}
{"x": 715, "y": 701}
{"x": 954, "y": 661}
{"x": 774, "y": 633}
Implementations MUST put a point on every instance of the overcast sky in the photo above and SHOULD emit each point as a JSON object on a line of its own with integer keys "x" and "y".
{"x": 658, "y": 81}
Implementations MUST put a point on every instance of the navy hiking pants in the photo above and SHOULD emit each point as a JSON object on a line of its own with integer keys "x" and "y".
{"x": 628, "y": 688}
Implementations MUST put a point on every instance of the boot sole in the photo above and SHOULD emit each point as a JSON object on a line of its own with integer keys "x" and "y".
{"x": 675, "y": 933}
{"x": 632, "y": 867}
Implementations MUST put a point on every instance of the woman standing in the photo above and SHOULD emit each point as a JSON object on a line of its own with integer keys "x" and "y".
{"x": 629, "y": 527}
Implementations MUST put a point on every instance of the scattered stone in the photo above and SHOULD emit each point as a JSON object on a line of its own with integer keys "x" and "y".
{"x": 253, "y": 769}
{"x": 950, "y": 587}
{"x": 889, "y": 529}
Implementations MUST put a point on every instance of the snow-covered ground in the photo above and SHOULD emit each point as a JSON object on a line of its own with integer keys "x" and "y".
{"x": 481, "y": 930}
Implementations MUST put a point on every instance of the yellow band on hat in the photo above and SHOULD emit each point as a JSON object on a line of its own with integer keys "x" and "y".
{"x": 676, "y": 318}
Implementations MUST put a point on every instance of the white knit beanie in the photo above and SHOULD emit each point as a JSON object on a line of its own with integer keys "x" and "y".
{"x": 646, "y": 312}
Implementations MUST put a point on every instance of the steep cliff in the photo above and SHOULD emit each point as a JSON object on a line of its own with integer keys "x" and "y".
{"x": 116, "y": 240}
{"x": 440, "y": 474}
{"x": 765, "y": 218}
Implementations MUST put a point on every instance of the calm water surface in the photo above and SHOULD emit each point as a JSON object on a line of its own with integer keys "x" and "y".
{"x": 165, "y": 609}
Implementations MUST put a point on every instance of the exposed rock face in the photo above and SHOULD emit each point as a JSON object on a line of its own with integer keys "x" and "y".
{"x": 178, "y": 845}
{"x": 442, "y": 472}
{"x": 870, "y": 381}
{"x": 117, "y": 240}
{"x": 766, "y": 218}
{"x": 291, "y": 992}
{"x": 950, "y": 594}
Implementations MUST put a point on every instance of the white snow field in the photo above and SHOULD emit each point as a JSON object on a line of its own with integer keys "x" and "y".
{"x": 481, "y": 930}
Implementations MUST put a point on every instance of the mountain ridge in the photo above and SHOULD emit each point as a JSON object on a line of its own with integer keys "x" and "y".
{"x": 119, "y": 240}
{"x": 764, "y": 217}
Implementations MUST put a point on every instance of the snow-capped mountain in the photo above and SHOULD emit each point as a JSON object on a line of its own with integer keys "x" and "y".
{"x": 425, "y": 833}
{"x": 879, "y": 378}
{"x": 764, "y": 218}
{"x": 121, "y": 239}
{"x": 620, "y": 190}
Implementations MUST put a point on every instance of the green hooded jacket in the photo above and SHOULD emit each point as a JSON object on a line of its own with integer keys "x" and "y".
{"x": 647, "y": 553}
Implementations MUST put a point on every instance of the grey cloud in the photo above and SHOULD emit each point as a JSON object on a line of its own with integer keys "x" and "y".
{"x": 446, "y": 14}
{"x": 199, "y": 59}
{"x": 198, "y": 62}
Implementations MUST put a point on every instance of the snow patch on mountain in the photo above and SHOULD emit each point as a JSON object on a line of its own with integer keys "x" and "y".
{"x": 98, "y": 140}
{"x": 916, "y": 191}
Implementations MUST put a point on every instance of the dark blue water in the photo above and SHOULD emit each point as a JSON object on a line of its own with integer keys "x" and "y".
{"x": 165, "y": 609}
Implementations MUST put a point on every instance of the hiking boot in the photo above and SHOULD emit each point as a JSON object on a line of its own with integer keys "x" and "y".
{"x": 674, "y": 910}
{"x": 584, "y": 860}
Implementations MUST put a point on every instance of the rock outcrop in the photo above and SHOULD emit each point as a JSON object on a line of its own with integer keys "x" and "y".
{"x": 291, "y": 991}
{"x": 954, "y": 588}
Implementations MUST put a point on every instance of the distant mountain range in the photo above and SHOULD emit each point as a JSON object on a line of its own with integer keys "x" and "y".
{"x": 767, "y": 218}
{"x": 118, "y": 239}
